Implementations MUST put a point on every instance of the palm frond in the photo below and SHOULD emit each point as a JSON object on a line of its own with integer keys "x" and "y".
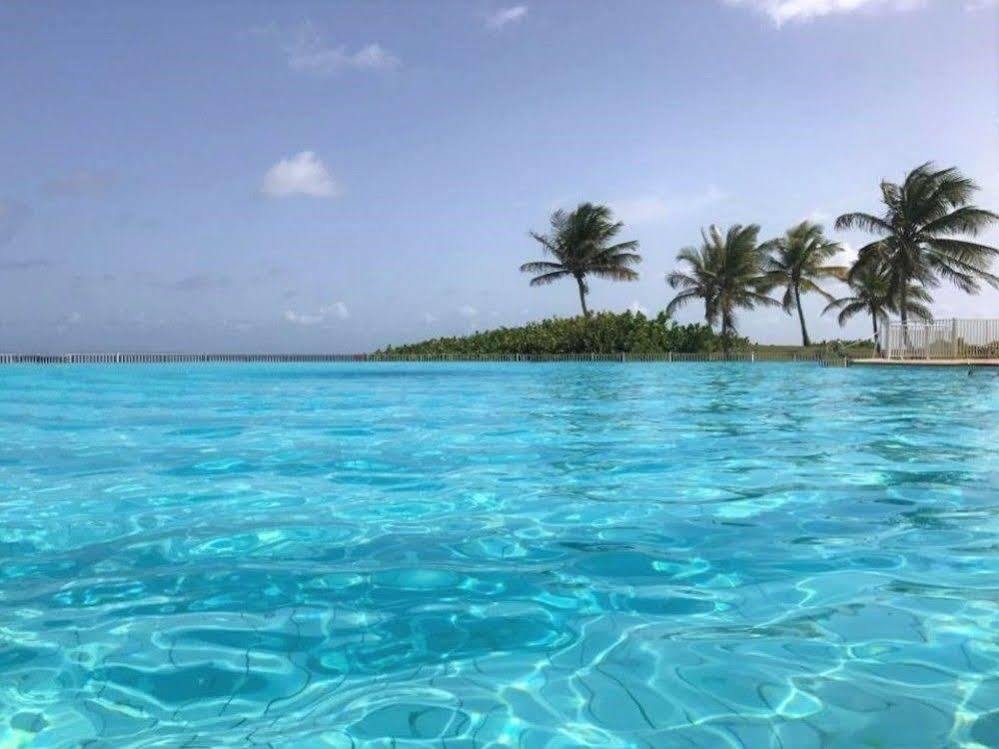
{"x": 548, "y": 278}
{"x": 678, "y": 280}
{"x": 849, "y": 310}
{"x": 864, "y": 221}
{"x": 967, "y": 219}
{"x": 681, "y": 299}
{"x": 614, "y": 273}
{"x": 541, "y": 266}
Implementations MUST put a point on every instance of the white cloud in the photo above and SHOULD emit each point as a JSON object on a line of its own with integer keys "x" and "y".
{"x": 784, "y": 11}
{"x": 848, "y": 256}
{"x": 429, "y": 318}
{"x": 308, "y": 52}
{"x": 656, "y": 207}
{"x": 505, "y": 16}
{"x": 635, "y": 307}
{"x": 337, "y": 310}
{"x": 302, "y": 174}
{"x": 467, "y": 311}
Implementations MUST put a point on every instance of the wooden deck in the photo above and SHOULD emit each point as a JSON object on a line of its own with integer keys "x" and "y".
{"x": 927, "y": 362}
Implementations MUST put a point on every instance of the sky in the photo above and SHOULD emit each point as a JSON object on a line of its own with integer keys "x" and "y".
{"x": 338, "y": 176}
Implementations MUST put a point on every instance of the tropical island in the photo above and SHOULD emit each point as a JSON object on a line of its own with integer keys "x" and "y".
{"x": 924, "y": 236}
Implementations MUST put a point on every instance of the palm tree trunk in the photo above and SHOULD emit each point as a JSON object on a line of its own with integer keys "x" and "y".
{"x": 582, "y": 295}
{"x": 877, "y": 341}
{"x": 801, "y": 318}
{"x": 903, "y": 312}
{"x": 726, "y": 331}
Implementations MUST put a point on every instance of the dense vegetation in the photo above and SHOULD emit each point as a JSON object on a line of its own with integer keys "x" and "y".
{"x": 599, "y": 333}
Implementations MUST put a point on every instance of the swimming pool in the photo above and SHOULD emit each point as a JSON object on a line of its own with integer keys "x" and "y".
{"x": 685, "y": 555}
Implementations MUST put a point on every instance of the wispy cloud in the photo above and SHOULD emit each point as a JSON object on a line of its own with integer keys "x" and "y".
{"x": 337, "y": 310}
{"x": 468, "y": 311}
{"x": 506, "y": 16}
{"x": 79, "y": 183}
{"x": 656, "y": 207}
{"x": 23, "y": 265}
{"x": 309, "y": 52}
{"x": 195, "y": 282}
{"x": 302, "y": 318}
{"x": 301, "y": 174}
{"x": 784, "y": 11}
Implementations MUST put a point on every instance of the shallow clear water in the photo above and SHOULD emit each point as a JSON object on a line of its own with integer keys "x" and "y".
{"x": 687, "y": 555}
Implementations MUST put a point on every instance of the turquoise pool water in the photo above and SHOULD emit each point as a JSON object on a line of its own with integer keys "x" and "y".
{"x": 395, "y": 555}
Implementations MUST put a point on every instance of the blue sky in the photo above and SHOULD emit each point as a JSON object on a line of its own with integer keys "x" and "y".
{"x": 336, "y": 176}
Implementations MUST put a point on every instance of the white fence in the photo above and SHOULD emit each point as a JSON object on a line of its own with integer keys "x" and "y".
{"x": 942, "y": 339}
{"x": 752, "y": 355}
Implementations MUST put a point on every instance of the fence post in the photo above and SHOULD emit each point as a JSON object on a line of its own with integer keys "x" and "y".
{"x": 953, "y": 338}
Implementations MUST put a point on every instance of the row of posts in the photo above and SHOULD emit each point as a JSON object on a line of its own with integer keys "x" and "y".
{"x": 165, "y": 358}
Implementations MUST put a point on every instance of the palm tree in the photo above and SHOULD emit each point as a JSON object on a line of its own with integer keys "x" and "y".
{"x": 726, "y": 271}
{"x": 580, "y": 243}
{"x": 921, "y": 231}
{"x": 797, "y": 261}
{"x": 872, "y": 294}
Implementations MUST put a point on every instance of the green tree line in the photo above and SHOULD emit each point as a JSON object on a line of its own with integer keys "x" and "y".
{"x": 597, "y": 333}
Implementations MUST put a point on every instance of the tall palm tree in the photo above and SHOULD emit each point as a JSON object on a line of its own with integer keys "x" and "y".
{"x": 796, "y": 262}
{"x": 921, "y": 228}
{"x": 581, "y": 244}
{"x": 726, "y": 272}
{"x": 872, "y": 294}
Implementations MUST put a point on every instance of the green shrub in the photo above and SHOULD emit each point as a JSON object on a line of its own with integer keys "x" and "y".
{"x": 601, "y": 333}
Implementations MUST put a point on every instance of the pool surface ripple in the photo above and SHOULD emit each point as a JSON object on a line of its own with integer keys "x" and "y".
{"x": 486, "y": 555}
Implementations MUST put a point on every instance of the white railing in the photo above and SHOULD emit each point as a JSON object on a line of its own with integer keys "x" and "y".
{"x": 942, "y": 339}
{"x": 752, "y": 355}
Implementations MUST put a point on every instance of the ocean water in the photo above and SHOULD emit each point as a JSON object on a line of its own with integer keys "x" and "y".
{"x": 526, "y": 555}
